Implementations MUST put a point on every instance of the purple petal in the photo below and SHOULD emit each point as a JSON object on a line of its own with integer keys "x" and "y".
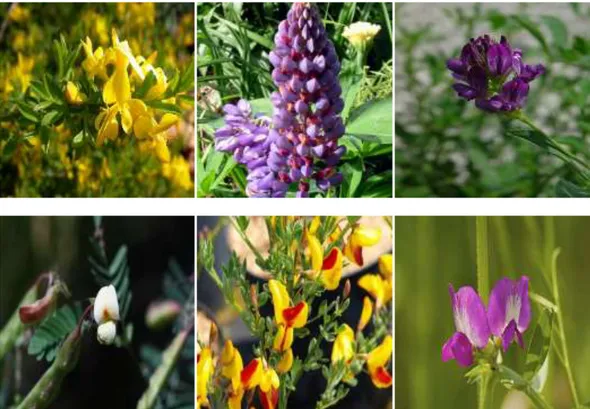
{"x": 499, "y": 60}
{"x": 509, "y": 301}
{"x": 470, "y": 315}
{"x": 458, "y": 347}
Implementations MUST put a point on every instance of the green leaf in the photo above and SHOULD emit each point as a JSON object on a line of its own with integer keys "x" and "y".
{"x": 263, "y": 41}
{"x": 533, "y": 29}
{"x": 162, "y": 106}
{"x": 372, "y": 119}
{"x": 565, "y": 188}
{"x": 558, "y": 30}
{"x": 27, "y": 112}
{"x": 52, "y": 331}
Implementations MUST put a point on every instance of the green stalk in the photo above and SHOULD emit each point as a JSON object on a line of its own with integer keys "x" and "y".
{"x": 14, "y": 327}
{"x": 482, "y": 255}
{"x": 387, "y": 20}
{"x": 518, "y": 382}
{"x": 560, "y": 327}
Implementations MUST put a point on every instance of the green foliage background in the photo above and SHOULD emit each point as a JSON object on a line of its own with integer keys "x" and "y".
{"x": 432, "y": 252}
{"x": 446, "y": 147}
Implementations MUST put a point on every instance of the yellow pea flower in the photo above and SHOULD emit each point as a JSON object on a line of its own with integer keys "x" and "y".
{"x": 343, "y": 348}
{"x": 154, "y": 133}
{"x": 332, "y": 269}
{"x": 376, "y": 362}
{"x": 231, "y": 364}
{"x": 251, "y": 375}
{"x": 95, "y": 63}
{"x": 19, "y": 14}
{"x": 269, "y": 389}
{"x": 204, "y": 371}
{"x": 366, "y": 313}
{"x": 177, "y": 171}
{"x": 315, "y": 250}
{"x": 286, "y": 317}
{"x": 386, "y": 266}
{"x": 360, "y": 237}
{"x": 314, "y": 225}
{"x": 73, "y": 94}
{"x": 286, "y": 361}
{"x": 380, "y": 289}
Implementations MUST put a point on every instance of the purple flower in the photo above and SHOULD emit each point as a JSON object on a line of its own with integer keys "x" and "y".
{"x": 471, "y": 324}
{"x": 308, "y": 102}
{"x": 493, "y": 74}
{"x": 509, "y": 310}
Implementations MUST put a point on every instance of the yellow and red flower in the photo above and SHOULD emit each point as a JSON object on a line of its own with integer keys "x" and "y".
{"x": 287, "y": 317}
{"x": 204, "y": 371}
{"x": 377, "y": 360}
{"x": 361, "y": 236}
{"x": 329, "y": 268}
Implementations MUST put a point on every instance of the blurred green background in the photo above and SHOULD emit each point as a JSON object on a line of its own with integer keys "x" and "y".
{"x": 432, "y": 252}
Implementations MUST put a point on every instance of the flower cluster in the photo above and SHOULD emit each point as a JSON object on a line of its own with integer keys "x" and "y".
{"x": 106, "y": 314}
{"x": 507, "y": 316}
{"x": 301, "y": 143}
{"x": 493, "y": 74}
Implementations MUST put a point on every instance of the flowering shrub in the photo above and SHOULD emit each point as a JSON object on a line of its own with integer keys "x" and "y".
{"x": 294, "y": 142}
{"x": 95, "y": 114}
{"x": 305, "y": 262}
{"x": 525, "y": 71}
{"x": 63, "y": 330}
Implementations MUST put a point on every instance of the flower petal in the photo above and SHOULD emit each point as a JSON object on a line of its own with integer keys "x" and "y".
{"x": 280, "y": 299}
{"x": 332, "y": 269}
{"x": 470, "y": 315}
{"x": 366, "y": 313}
{"x": 343, "y": 347}
{"x": 458, "y": 347}
{"x": 106, "y": 305}
{"x": 296, "y": 317}
{"x": 509, "y": 301}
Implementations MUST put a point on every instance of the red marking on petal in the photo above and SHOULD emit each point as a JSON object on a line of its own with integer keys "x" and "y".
{"x": 291, "y": 314}
{"x": 330, "y": 260}
{"x": 269, "y": 400}
{"x": 248, "y": 371}
{"x": 357, "y": 253}
{"x": 383, "y": 377}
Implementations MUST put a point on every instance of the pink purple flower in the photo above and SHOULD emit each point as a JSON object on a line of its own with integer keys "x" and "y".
{"x": 493, "y": 74}
{"x": 507, "y": 317}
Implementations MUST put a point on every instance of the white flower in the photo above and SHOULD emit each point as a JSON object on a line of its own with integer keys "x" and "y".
{"x": 360, "y": 33}
{"x": 106, "y": 332}
{"x": 106, "y": 305}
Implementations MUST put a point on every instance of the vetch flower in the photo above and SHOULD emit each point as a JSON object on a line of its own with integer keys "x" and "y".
{"x": 106, "y": 305}
{"x": 205, "y": 370}
{"x": 377, "y": 360}
{"x": 509, "y": 310}
{"x": 471, "y": 324}
{"x": 493, "y": 74}
{"x": 361, "y": 236}
{"x": 361, "y": 33}
{"x": 286, "y": 317}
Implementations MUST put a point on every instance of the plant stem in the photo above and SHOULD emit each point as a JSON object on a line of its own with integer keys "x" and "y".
{"x": 566, "y": 362}
{"x": 387, "y": 20}
{"x": 482, "y": 256}
{"x": 518, "y": 382}
{"x": 246, "y": 240}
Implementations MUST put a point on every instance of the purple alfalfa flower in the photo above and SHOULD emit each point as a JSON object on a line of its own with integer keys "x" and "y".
{"x": 471, "y": 324}
{"x": 493, "y": 74}
{"x": 509, "y": 310}
{"x": 247, "y": 138}
{"x": 307, "y": 105}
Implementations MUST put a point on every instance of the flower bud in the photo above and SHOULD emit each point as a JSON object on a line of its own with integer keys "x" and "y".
{"x": 73, "y": 94}
{"x": 106, "y": 332}
{"x": 161, "y": 314}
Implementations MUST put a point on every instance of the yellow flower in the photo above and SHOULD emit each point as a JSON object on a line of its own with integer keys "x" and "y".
{"x": 386, "y": 266}
{"x": 19, "y": 14}
{"x": 343, "y": 348}
{"x": 178, "y": 172}
{"x": 286, "y": 317}
{"x": 20, "y": 74}
{"x": 95, "y": 63}
{"x": 73, "y": 94}
{"x": 361, "y": 33}
{"x": 147, "y": 129}
{"x": 231, "y": 364}
{"x": 366, "y": 313}
{"x": 360, "y": 237}
{"x": 379, "y": 288}
{"x": 332, "y": 269}
{"x": 19, "y": 41}
{"x": 286, "y": 361}
{"x": 204, "y": 371}
{"x": 269, "y": 388}
{"x": 376, "y": 362}
{"x": 315, "y": 250}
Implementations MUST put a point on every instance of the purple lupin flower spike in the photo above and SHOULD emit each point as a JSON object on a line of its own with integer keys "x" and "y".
{"x": 306, "y": 119}
{"x": 493, "y": 74}
{"x": 247, "y": 138}
{"x": 509, "y": 310}
{"x": 471, "y": 324}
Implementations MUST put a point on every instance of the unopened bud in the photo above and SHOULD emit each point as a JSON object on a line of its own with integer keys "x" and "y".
{"x": 346, "y": 290}
{"x": 254, "y": 297}
{"x": 162, "y": 314}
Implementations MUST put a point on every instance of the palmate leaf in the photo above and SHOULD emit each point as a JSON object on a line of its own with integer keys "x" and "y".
{"x": 52, "y": 331}
{"x": 115, "y": 272}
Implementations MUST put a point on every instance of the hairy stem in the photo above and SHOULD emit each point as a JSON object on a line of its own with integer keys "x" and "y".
{"x": 560, "y": 327}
